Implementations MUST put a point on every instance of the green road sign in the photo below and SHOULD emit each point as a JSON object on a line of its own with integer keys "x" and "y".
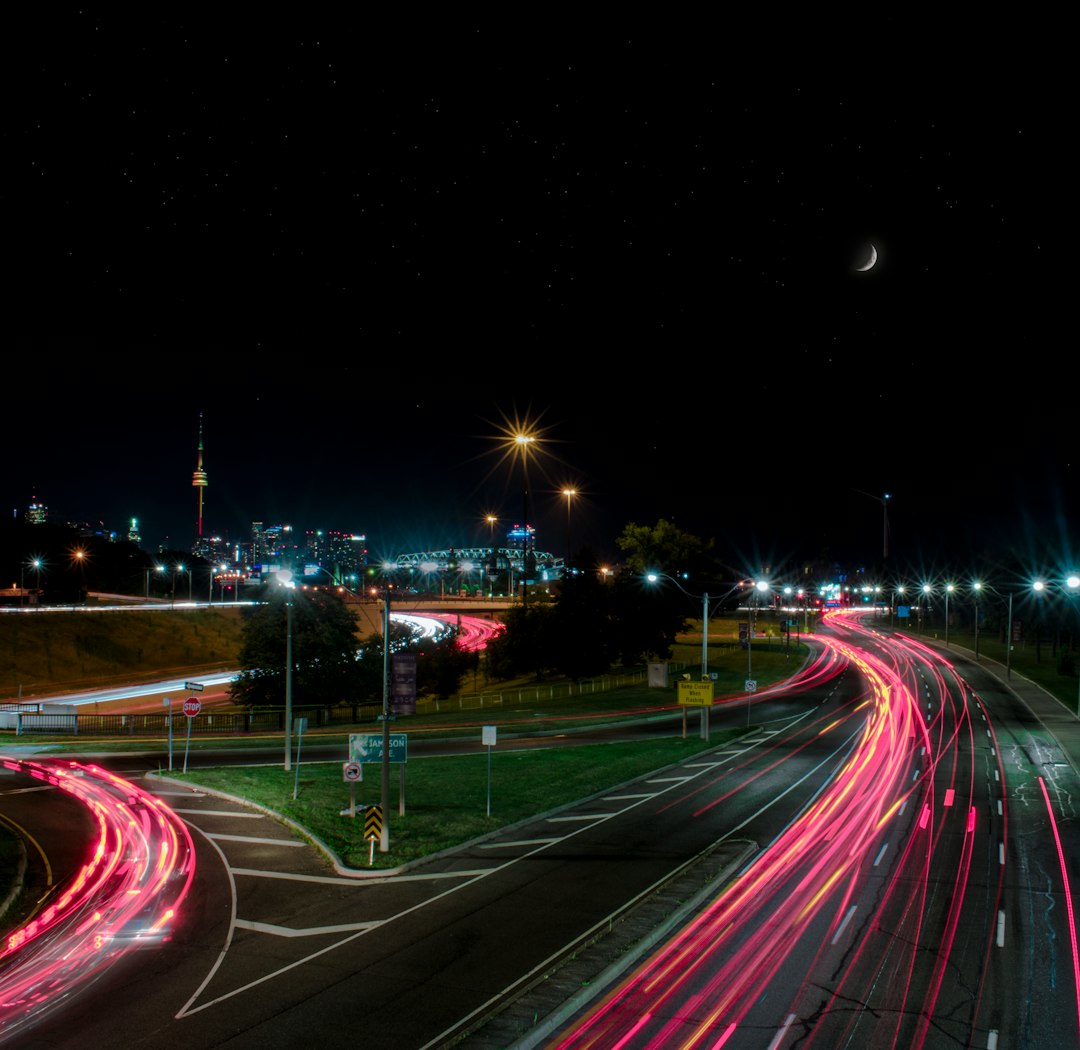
{"x": 368, "y": 747}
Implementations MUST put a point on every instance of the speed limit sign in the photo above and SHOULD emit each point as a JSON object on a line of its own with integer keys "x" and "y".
{"x": 352, "y": 771}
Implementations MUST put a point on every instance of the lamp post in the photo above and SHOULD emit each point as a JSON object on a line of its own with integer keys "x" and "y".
{"x": 384, "y": 835}
{"x": 35, "y": 564}
{"x": 751, "y": 685}
{"x": 927, "y": 591}
{"x": 949, "y": 588}
{"x": 491, "y": 519}
{"x": 1072, "y": 581}
{"x": 288, "y": 674}
{"x": 978, "y": 588}
{"x": 569, "y": 494}
{"x": 523, "y": 443}
{"x": 975, "y": 588}
{"x": 898, "y": 590}
{"x": 653, "y": 577}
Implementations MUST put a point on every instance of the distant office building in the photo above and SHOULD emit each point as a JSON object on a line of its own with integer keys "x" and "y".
{"x": 36, "y": 513}
{"x": 274, "y": 545}
{"x": 133, "y": 532}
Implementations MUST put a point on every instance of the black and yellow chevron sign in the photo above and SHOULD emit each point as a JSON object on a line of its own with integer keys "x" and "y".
{"x": 372, "y": 822}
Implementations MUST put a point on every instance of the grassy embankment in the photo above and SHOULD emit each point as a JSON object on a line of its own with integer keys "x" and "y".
{"x": 447, "y": 797}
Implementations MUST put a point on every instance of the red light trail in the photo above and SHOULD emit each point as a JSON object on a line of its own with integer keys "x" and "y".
{"x": 127, "y": 894}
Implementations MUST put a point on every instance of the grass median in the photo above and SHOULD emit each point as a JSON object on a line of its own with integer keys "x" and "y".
{"x": 447, "y": 797}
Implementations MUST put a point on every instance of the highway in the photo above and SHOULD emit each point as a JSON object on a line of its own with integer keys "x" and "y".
{"x": 886, "y": 863}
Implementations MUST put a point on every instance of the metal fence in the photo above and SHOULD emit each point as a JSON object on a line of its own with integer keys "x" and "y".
{"x": 32, "y": 718}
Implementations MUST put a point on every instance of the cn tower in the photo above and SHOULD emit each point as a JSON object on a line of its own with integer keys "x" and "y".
{"x": 198, "y": 479}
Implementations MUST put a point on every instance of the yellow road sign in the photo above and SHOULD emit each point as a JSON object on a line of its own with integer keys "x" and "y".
{"x": 372, "y": 822}
{"x": 695, "y": 694}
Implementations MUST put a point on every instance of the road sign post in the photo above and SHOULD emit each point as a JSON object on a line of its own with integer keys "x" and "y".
{"x": 488, "y": 735}
{"x": 299, "y": 724}
{"x": 373, "y": 827}
{"x": 351, "y": 772}
{"x": 751, "y": 688}
{"x": 167, "y": 702}
{"x": 192, "y": 706}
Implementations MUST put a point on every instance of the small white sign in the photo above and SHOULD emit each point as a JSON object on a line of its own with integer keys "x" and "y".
{"x": 488, "y": 735}
{"x": 751, "y": 685}
{"x": 352, "y": 771}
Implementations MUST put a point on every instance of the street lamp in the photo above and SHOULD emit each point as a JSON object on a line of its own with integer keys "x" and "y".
{"x": 759, "y": 587}
{"x": 927, "y": 591}
{"x": 978, "y": 588}
{"x": 569, "y": 494}
{"x": 949, "y": 588}
{"x": 898, "y": 590}
{"x": 34, "y": 564}
{"x": 975, "y": 588}
{"x": 157, "y": 568}
{"x": 1072, "y": 581}
{"x": 288, "y": 670}
{"x": 523, "y": 442}
{"x": 491, "y": 520}
{"x": 653, "y": 577}
{"x": 384, "y": 836}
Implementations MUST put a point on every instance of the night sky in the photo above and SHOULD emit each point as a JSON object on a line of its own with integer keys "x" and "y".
{"x": 364, "y": 250}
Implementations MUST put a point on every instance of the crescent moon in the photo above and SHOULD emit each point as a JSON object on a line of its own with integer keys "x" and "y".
{"x": 869, "y": 264}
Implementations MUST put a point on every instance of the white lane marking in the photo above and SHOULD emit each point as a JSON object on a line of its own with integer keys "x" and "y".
{"x": 847, "y": 919}
{"x": 221, "y": 813}
{"x": 314, "y": 931}
{"x": 881, "y": 853}
{"x": 580, "y": 816}
{"x": 1001, "y": 929}
{"x": 519, "y": 842}
{"x": 779, "y": 1037}
{"x": 291, "y": 843}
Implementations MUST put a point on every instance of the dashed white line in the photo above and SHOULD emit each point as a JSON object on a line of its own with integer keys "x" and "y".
{"x": 291, "y": 843}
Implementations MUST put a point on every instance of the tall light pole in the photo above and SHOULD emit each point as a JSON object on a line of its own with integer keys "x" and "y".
{"x": 652, "y": 577}
{"x": 976, "y": 587}
{"x": 949, "y": 588}
{"x": 288, "y": 675}
{"x": 1072, "y": 581}
{"x": 759, "y": 587}
{"x": 384, "y": 834}
{"x": 569, "y": 494}
{"x": 35, "y": 565}
{"x": 523, "y": 442}
{"x": 491, "y": 519}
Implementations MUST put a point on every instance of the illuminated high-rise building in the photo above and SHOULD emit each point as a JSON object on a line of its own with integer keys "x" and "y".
{"x": 133, "y": 532}
{"x": 36, "y": 513}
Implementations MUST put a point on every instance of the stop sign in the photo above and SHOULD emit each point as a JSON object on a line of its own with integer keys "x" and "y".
{"x": 192, "y": 706}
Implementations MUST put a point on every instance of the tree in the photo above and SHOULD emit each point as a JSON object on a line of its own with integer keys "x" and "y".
{"x": 325, "y": 652}
{"x": 441, "y": 663}
{"x": 522, "y": 648}
{"x": 664, "y": 547}
{"x": 583, "y": 631}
